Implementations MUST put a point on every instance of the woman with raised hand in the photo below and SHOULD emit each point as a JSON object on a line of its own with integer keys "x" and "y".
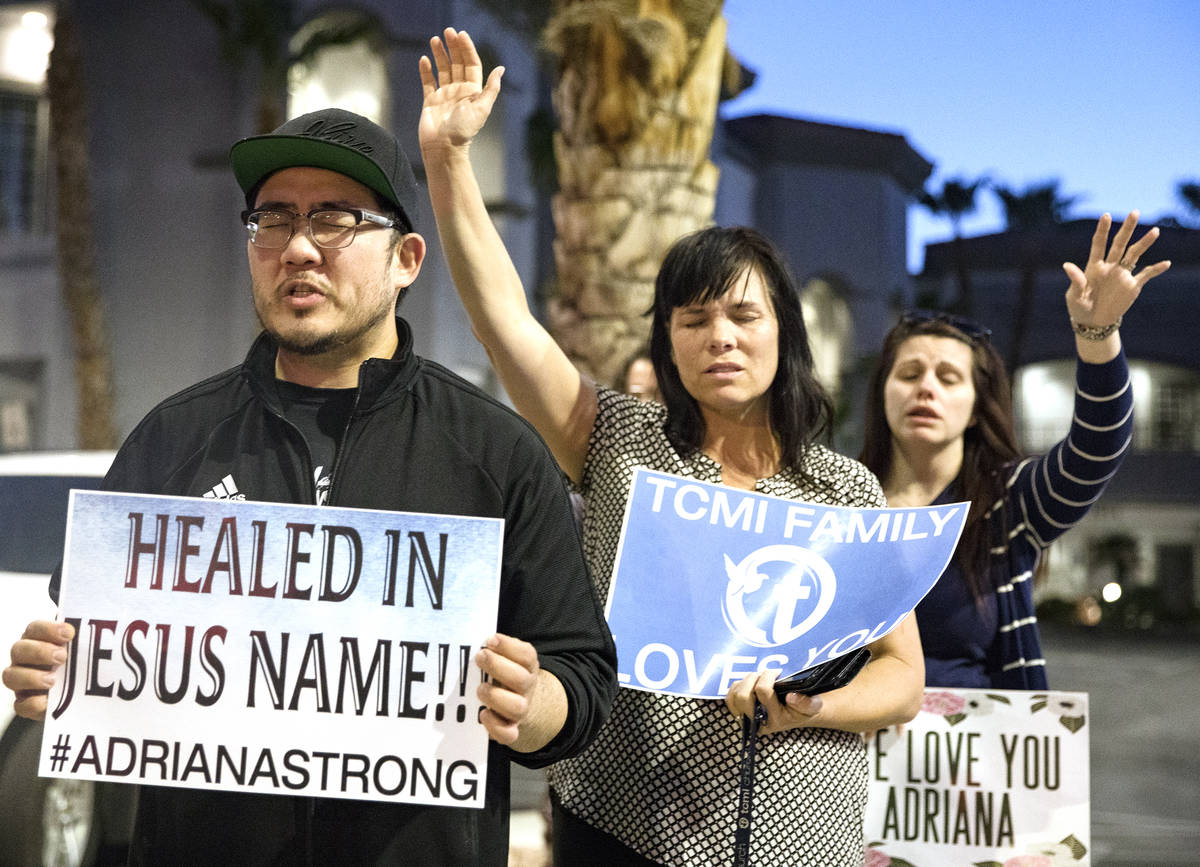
{"x": 741, "y": 407}
{"x": 939, "y": 429}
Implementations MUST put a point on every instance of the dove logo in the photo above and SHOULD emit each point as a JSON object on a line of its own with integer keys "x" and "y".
{"x": 776, "y": 594}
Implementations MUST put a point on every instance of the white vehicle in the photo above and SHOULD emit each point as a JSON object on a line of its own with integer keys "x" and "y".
{"x": 45, "y": 821}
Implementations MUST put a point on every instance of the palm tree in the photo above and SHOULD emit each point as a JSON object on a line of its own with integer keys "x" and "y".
{"x": 1189, "y": 192}
{"x": 1036, "y": 207}
{"x": 636, "y": 87}
{"x": 261, "y": 32}
{"x": 75, "y": 235}
{"x": 1028, "y": 214}
{"x": 955, "y": 200}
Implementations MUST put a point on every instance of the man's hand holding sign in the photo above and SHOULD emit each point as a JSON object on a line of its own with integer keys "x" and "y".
{"x": 36, "y": 658}
{"x": 523, "y": 705}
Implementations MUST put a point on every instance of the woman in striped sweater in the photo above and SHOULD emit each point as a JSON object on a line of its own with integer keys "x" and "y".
{"x": 939, "y": 428}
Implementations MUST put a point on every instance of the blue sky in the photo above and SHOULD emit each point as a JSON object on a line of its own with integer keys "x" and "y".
{"x": 1103, "y": 96}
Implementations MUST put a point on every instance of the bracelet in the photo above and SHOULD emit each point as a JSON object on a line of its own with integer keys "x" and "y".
{"x": 1095, "y": 332}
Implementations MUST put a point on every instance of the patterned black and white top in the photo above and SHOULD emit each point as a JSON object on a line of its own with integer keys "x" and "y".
{"x": 662, "y": 774}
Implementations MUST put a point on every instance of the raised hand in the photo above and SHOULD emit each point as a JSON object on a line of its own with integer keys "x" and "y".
{"x": 457, "y": 102}
{"x": 1109, "y": 284}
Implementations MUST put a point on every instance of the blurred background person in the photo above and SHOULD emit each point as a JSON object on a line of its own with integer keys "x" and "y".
{"x": 637, "y": 375}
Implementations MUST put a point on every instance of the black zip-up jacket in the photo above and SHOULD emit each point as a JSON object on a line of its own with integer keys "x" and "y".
{"x": 419, "y": 439}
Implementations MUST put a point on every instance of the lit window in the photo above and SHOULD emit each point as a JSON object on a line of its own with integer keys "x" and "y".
{"x": 339, "y": 63}
{"x": 25, "y": 41}
{"x": 21, "y": 393}
{"x": 1173, "y": 422}
{"x": 830, "y": 329}
{"x": 1166, "y": 405}
{"x": 1043, "y": 402}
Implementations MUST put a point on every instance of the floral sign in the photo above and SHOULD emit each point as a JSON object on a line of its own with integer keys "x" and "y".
{"x": 987, "y": 778}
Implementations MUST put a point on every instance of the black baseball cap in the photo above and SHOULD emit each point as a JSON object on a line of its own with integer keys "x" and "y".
{"x": 333, "y": 139}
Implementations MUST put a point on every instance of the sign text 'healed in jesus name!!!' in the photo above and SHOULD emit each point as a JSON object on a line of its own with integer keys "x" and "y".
{"x": 274, "y": 648}
{"x": 713, "y": 583}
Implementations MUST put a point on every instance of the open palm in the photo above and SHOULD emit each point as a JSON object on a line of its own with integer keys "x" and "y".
{"x": 1107, "y": 286}
{"x": 457, "y": 102}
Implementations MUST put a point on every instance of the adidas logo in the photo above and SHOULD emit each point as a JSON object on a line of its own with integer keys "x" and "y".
{"x": 226, "y": 489}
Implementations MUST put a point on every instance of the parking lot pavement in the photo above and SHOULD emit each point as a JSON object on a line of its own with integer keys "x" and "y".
{"x": 1144, "y": 701}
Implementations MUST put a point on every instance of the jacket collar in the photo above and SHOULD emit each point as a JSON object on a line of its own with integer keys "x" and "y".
{"x": 380, "y": 380}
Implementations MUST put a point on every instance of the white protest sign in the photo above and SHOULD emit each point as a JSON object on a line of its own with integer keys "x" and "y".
{"x": 274, "y": 648}
{"x": 982, "y": 779}
{"x": 713, "y": 583}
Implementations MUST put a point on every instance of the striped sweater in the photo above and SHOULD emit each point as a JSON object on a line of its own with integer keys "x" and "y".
{"x": 996, "y": 645}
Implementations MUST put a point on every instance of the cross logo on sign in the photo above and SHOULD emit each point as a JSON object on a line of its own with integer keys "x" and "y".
{"x": 775, "y": 595}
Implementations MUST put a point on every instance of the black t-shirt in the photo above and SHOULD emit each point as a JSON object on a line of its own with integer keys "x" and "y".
{"x": 321, "y": 415}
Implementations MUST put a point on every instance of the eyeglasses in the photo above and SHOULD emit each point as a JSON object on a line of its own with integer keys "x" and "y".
{"x": 329, "y": 229}
{"x": 973, "y": 330}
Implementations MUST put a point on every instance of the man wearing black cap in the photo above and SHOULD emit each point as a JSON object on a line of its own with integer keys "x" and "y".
{"x": 332, "y": 406}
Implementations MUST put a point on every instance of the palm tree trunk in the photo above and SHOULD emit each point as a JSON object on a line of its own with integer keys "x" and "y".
{"x": 965, "y": 302}
{"x": 1023, "y": 311}
{"x": 636, "y": 98}
{"x": 76, "y": 246}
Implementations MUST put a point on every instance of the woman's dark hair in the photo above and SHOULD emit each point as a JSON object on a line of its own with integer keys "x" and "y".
{"x": 703, "y": 266}
{"x": 989, "y": 445}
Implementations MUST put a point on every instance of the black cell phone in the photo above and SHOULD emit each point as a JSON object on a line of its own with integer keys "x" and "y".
{"x": 828, "y": 675}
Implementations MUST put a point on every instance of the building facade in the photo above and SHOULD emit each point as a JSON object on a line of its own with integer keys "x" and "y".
{"x": 165, "y": 99}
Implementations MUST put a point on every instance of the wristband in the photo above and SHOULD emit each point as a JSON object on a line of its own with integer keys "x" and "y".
{"x": 1095, "y": 332}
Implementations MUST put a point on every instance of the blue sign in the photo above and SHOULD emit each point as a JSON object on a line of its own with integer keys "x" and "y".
{"x": 713, "y": 583}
